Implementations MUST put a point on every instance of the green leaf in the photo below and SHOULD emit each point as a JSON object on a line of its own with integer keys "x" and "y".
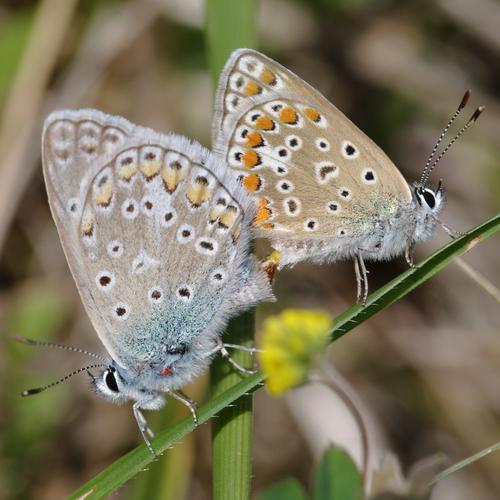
{"x": 337, "y": 477}
{"x": 138, "y": 459}
{"x": 289, "y": 489}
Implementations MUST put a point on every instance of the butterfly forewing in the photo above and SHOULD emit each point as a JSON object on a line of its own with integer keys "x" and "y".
{"x": 154, "y": 228}
{"x": 316, "y": 175}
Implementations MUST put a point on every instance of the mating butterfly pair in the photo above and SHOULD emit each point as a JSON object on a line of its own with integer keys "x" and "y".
{"x": 156, "y": 228}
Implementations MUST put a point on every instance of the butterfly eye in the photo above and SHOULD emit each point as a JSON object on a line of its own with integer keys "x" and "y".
{"x": 429, "y": 198}
{"x": 179, "y": 350}
{"x": 110, "y": 380}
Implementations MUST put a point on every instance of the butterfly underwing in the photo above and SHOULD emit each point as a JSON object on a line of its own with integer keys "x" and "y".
{"x": 156, "y": 231}
{"x": 326, "y": 192}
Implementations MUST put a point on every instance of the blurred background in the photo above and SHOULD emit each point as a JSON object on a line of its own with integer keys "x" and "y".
{"x": 427, "y": 369}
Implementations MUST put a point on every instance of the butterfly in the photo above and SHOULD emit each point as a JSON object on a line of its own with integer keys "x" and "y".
{"x": 156, "y": 231}
{"x": 326, "y": 192}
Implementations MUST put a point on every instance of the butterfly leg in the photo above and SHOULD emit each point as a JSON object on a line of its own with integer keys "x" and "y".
{"x": 450, "y": 231}
{"x": 252, "y": 350}
{"x": 226, "y": 355}
{"x": 143, "y": 425}
{"x": 409, "y": 254}
{"x": 186, "y": 400}
{"x": 361, "y": 278}
{"x": 270, "y": 265}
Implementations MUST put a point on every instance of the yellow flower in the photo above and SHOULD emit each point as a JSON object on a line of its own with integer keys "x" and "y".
{"x": 291, "y": 343}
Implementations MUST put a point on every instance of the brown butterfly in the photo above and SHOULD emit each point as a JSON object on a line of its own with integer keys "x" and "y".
{"x": 326, "y": 191}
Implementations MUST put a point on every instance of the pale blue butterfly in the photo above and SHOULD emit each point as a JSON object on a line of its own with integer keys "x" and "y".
{"x": 156, "y": 231}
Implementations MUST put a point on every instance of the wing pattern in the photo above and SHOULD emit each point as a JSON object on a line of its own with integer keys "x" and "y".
{"x": 321, "y": 183}
{"x": 155, "y": 230}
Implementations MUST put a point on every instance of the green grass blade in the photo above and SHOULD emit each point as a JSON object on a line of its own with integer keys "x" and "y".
{"x": 230, "y": 24}
{"x": 232, "y": 430}
{"x": 138, "y": 459}
{"x": 464, "y": 463}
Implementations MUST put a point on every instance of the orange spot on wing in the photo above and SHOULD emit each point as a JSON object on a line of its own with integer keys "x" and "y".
{"x": 268, "y": 77}
{"x": 254, "y": 140}
{"x": 288, "y": 115}
{"x": 252, "y": 182}
{"x": 312, "y": 114}
{"x": 103, "y": 196}
{"x": 250, "y": 159}
{"x": 264, "y": 212}
{"x": 252, "y": 88}
{"x": 264, "y": 123}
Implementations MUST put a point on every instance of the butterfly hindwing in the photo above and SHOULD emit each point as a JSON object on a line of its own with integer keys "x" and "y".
{"x": 320, "y": 181}
{"x": 155, "y": 230}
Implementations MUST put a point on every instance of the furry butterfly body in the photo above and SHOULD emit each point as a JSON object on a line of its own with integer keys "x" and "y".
{"x": 326, "y": 192}
{"x": 156, "y": 231}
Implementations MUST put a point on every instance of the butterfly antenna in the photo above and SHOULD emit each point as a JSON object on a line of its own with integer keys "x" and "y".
{"x": 38, "y": 390}
{"x": 461, "y": 106}
{"x": 472, "y": 119}
{"x": 52, "y": 345}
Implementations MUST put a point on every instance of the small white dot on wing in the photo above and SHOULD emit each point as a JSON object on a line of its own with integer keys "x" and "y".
{"x": 311, "y": 225}
{"x": 294, "y": 142}
{"x": 147, "y": 206}
{"x": 322, "y": 144}
{"x": 368, "y": 176}
{"x": 206, "y": 246}
{"x": 105, "y": 281}
{"x": 121, "y": 311}
{"x": 241, "y": 133}
{"x": 237, "y": 82}
{"x": 185, "y": 233}
{"x": 218, "y": 277}
{"x": 283, "y": 154}
{"x": 325, "y": 170}
{"x": 150, "y": 154}
{"x": 235, "y": 156}
{"x": 73, "y": 207}
{"x": 143, "y": 262}
{"x": 349, "y": 150}
{"x": 115, "y": 249}
{"x": 185, "y": 293}
{"x": 250, "y": 65}
{"x": 292, "y": 206}
{"x": 130, "y": 209}
{"x": 168, "y": 217}
{"x": 332, "y": 207}
{"x": 232, "y": 102}
{"x": 285, "y": 186}
{"x": 345, "y": 193}
{"x": 62, "y": 134}
{"x": 274, "y": 108}
{"x": 155, "y": 295}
